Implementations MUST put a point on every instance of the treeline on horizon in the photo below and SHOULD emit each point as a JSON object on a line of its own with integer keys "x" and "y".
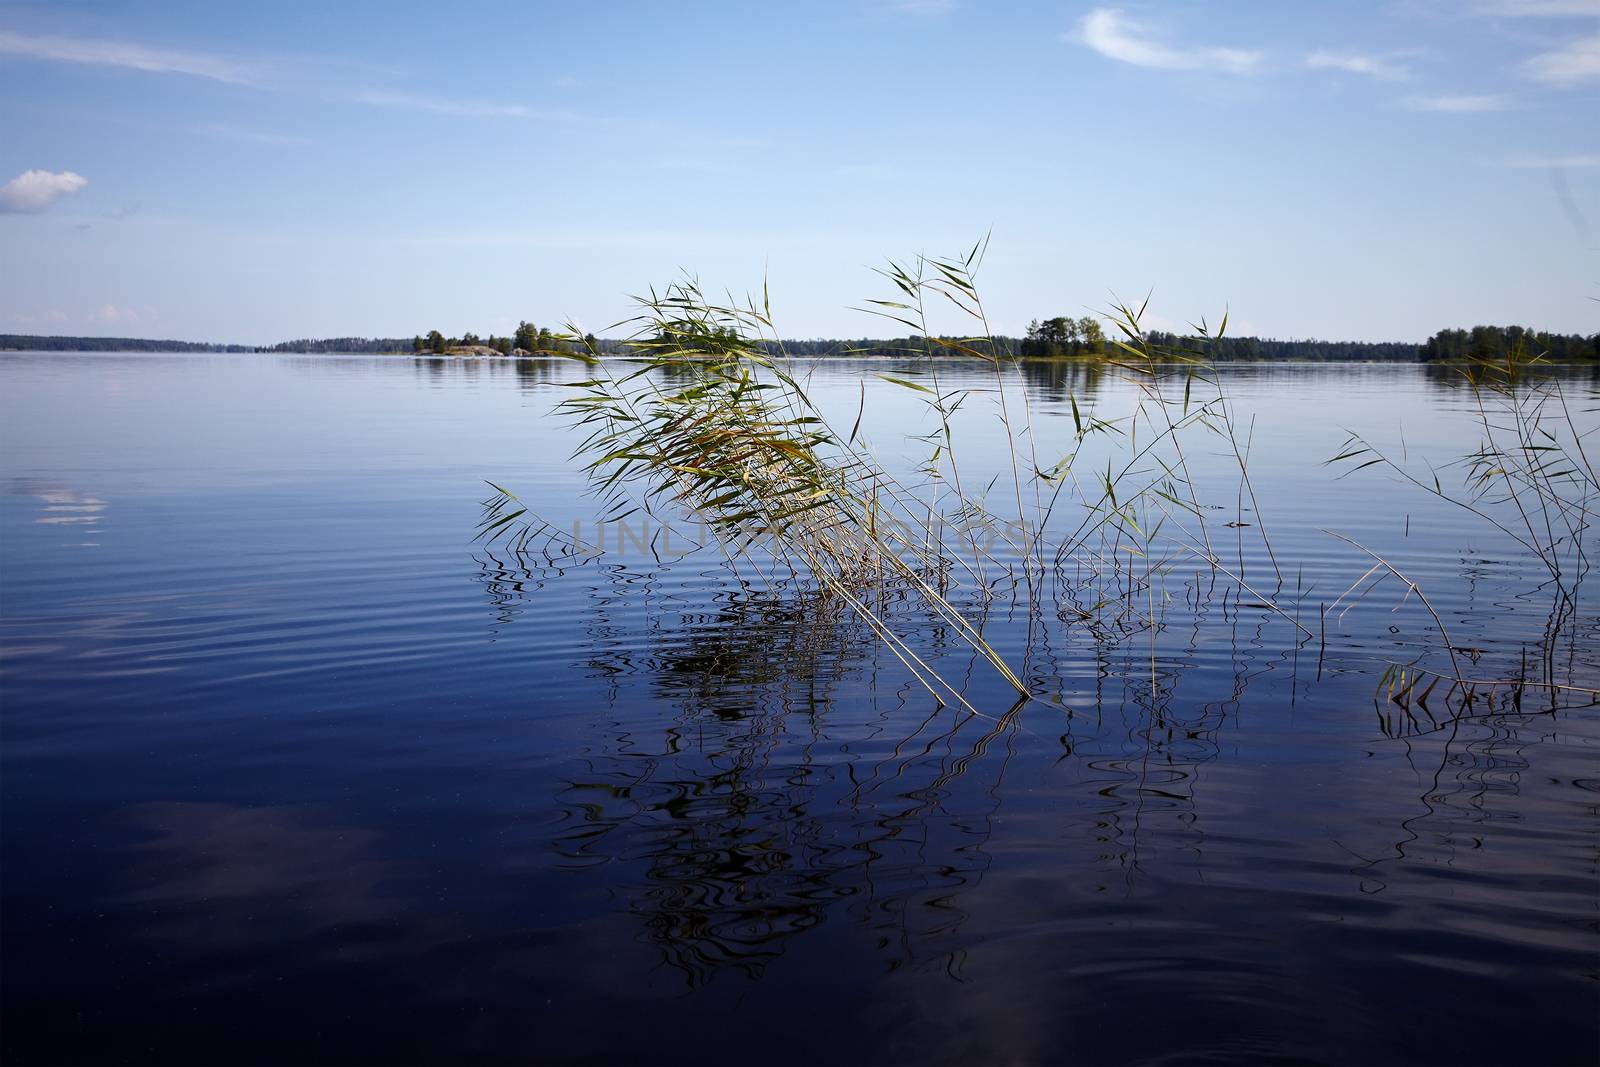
{"x": 1059, "y": 338}
{"x": 22, "y": 342}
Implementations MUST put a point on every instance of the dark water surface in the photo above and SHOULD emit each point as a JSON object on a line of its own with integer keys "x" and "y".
{"x": 293, "y": 771}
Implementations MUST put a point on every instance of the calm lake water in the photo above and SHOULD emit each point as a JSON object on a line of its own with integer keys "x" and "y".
{"x": 295, "y": 771}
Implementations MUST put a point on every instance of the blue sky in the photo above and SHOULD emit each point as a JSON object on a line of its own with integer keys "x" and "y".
{"x": 252, "y": 173}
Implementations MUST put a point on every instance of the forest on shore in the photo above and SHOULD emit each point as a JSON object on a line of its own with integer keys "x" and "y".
{"x": 1055, "y": 338}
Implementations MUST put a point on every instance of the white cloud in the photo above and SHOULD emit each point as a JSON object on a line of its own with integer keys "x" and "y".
{"x": 1113, "y": 35}
{"x": 1573, "y": 64}
{"x": 111, "y": 313}
{"x": 925, "y": 7}
{"x": 34, "y": 190}
{"x": 1382, "y": 67}
{"x": 1460, "y": 105}
{"x": 1539, "y": 8}
{"x": 127, "y": 55}
{"x": 1579, "y": 161}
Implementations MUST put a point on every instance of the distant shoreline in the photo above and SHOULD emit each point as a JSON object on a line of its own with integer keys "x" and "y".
{"x": 1087, "y": 362}
{"x": 1446, "y": 347}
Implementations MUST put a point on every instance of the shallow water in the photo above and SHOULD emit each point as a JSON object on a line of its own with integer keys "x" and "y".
{"x": 294, "y": 771}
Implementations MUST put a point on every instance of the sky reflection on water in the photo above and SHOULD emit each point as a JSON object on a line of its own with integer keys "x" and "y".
{"x": 295, "y": 771}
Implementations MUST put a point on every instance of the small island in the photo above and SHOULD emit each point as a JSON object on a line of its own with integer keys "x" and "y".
{"x": 528, "y": 340}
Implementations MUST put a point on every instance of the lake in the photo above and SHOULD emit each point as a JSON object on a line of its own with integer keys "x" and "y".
{"x": 296, "y": 770}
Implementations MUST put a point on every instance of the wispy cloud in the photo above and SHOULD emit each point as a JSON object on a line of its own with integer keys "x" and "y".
{"x": 106, "y": 313}
{"x": 1460, "y": 104}
{"x": 1562, "y": 162}
{"x": 1383, "y": 67}
{"x": 1538, "y": 8}
{"x": 1115, "y": 36}
{"x": 258, "y": 74}
{"x": 925, "y": 7}
{"x": 34, "y": 190}
{"x": 22, "y": 318}
{"x": 130, "y": 56}
{"x": 1574, "y": 63}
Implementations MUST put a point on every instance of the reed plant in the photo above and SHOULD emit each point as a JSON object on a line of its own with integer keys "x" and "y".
{"x": 1530, "y": 477}
{"x": 706, "y": 419}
